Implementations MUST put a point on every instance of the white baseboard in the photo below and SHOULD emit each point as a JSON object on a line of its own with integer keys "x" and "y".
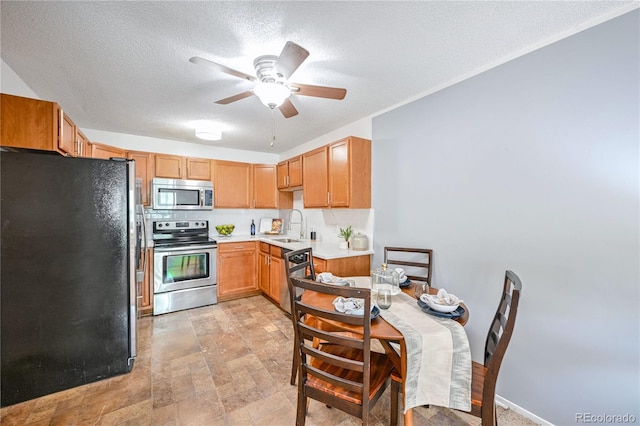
{"x": 505, "y": 403}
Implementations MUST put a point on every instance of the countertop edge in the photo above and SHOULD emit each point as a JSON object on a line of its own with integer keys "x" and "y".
{"x": 321, "y": 249}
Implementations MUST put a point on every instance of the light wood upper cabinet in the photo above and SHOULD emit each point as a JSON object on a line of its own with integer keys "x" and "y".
{"x": 265, "y": 191}
{"x": 83, "y": 144}
{"x": 290, "y": 174}
{"x": 338, "y": 175}
{"x": 144, "y": 171}
{"x": 67, "y": 139}
{"x": 168, "y": 166}
{"x": 315, "y": 171}
{"x": 106, "y": 151}
{"x": 198, "y": 168}
{"x": 232, "y": 184}
{"x": 35, "y": 124}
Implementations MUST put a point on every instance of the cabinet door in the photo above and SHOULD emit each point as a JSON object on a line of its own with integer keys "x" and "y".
{"x": 83, "y": 148}
{"x": 144, "y": 171}
{"x": 295, "y": 171}
{"x": 106, "y": 152}
{"x": 67, "y": 136}
{"x": 28, "y": 123}
{"x": 198, "y": 168}
{"x": 146, "y": 291}
{"x": 263, "y": 272}
{"x": 168, "y": 166}
{"x": 265, "y": 193}
{"x": 232, "y": 184}
{"x": 274, "y": 277}
{"x": 237, "y": 273}
{"x": 315, "y": 176}
{"x": 319, "y": 265}
{"x": 283, "y": 175}
{"x": 339, "y": 177}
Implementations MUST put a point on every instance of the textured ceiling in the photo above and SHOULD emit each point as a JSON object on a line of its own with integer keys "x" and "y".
{"x": 124, "y": 66}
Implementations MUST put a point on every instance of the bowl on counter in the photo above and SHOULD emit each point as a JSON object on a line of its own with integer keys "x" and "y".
{"x": 225, "y": 230}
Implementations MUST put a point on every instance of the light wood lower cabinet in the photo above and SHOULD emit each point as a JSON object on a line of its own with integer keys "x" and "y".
{"x": 145, "y": 292}
{"x": 237, "y": 270}
{"x": 270, "y": 270}
{"x": 345, "y": 266}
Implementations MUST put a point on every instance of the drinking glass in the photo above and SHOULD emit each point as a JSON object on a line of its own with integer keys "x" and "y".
{"x": 420, "y": 289}
{"x": 384, "y": 297}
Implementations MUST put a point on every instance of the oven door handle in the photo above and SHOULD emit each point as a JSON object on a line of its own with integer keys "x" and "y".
{"x": 184, "y": 248}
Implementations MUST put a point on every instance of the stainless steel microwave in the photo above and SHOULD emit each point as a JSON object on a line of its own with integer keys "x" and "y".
{"x": 180, "y": 194}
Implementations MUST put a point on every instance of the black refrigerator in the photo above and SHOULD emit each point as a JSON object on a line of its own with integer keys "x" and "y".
{"x": 67, "y": 272}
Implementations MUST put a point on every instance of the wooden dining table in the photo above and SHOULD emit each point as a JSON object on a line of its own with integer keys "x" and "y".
{"x": 380, "y": 329}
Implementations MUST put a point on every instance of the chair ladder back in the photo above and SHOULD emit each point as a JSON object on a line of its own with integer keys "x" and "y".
{"x": 503, "y": 322}
{"x": 306, "y": 270}
{"x": 418, "y": 260}
{"x": 340, "y": 365}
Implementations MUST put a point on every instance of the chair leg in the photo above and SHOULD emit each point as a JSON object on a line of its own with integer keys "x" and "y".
{"x": 294, "y": 370}
{"x": 395, "y": 395}
{"x": 303, "y": 405}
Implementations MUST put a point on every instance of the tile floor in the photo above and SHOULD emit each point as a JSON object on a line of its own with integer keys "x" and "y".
{"x": 226, "y": 364}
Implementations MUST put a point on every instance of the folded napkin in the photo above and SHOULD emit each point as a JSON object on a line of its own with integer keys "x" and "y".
{"x": 442, "y": 298}
{"x": 401, "y": 275}
{"x": 329, "y": 278}
{"x": 351, "y": 305}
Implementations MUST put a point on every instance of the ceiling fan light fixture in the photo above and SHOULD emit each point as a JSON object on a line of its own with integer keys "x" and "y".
{"x": 208, "y": 133}
{"x": 272, "y": 94}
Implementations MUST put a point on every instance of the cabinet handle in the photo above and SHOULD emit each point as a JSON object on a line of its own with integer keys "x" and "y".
{"x": 288, "y": 180}
{"x": 328, "y": 198}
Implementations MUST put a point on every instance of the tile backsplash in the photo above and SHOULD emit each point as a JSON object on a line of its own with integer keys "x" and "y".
{"x": 326, "y": 222}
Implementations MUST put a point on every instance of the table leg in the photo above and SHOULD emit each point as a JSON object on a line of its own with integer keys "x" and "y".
{"x": 400, "y": 363}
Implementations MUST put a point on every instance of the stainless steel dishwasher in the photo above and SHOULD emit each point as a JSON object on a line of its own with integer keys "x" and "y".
{"x": 285, "y": 302}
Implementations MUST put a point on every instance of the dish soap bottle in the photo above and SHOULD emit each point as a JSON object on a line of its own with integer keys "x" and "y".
{"x": 253, "y": 228}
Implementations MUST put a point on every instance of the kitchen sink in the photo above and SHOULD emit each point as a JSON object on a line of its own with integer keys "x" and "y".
{"x": 286, "y": 240}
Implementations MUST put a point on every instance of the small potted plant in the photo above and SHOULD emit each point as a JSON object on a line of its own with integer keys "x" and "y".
{"x": 346, "y": 234}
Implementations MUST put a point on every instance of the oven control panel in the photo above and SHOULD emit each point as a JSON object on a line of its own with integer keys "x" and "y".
{"x": 180, "y": 225}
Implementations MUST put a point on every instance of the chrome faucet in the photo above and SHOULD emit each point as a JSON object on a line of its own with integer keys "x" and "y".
{"x": 297, "y": 223}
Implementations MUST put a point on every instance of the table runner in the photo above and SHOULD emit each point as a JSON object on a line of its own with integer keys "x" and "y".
{"x": 438, "y": 356}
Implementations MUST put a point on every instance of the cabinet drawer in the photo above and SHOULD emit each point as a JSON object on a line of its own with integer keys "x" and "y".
{"x": 239, "y": 246}
{"x": 264, "y": 247}
{"x": 275, "y": 251}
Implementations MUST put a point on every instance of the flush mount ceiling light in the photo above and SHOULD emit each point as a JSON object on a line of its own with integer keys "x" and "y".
{"x": 272, "y": 94}
{"x": 208, "y": 132}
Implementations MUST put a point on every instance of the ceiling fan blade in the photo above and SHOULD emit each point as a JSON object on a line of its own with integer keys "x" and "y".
{"x": 201, "y": 61}
{"x": 234, "y": 98}
{"x": 287, "y": 109}
{"x": 318, "y": 91}
{"x": 290, "y": 59}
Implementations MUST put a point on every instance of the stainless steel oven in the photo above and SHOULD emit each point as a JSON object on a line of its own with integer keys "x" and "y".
{"x": 184, "y": 266}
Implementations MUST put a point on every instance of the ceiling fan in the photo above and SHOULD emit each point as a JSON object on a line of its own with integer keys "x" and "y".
{"x": 272, "y": 77}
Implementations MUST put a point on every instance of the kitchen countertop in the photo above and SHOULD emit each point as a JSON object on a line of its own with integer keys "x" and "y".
{"x": 321, "y": 249}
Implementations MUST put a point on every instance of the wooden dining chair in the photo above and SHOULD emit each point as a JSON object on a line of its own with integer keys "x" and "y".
{"x": 342, "y": 373}
{"x": 302, "y": 267}
{"x": 484, "y": 376}
{"x": 418, "y": 260}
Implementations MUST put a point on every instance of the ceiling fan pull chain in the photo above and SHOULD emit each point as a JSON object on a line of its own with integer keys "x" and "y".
{"x": 273, "y": 126}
